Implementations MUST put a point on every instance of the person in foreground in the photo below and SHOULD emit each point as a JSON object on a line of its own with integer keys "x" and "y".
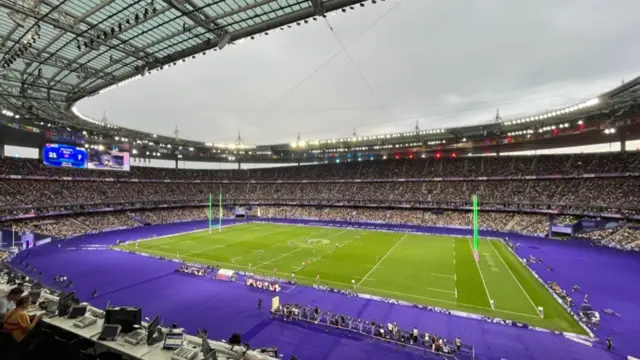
{"x": 17, "y": 322}
{"x": 8, "y": 303}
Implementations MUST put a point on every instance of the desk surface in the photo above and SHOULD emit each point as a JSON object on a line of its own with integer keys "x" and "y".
{"x": 92, "y": 332}
{"x": 141, "y": 352}
{"x": 89, "y": 332}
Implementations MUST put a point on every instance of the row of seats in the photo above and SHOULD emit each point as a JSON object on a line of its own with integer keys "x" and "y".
{"x": 358, "y": 168}
{"x": 532, "y": 224}
{"x": 604, "y": 194}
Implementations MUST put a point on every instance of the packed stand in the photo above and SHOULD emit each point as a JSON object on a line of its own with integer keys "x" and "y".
{"x": 627, "y": 238}
{"x": 168, "y": 216}
{"x": 600, "y": 234}
{"x": 487, "y": 220}
{"x": 604, "y": 195}
{"x": 502, "y": 166}
{"x": 522, "y": 222}
{"x": 69, "y": 226}
{"x": 566, "y": 220}
{"x": 539, "y": 228}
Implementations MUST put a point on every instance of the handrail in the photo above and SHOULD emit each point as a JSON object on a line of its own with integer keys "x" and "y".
{"x": 360, "y": 331}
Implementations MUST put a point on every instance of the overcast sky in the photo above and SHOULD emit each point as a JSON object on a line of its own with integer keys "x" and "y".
{"x": 444, "y": 63}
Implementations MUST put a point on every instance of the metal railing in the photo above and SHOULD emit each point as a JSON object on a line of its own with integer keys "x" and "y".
{"x": 357, "y": 327}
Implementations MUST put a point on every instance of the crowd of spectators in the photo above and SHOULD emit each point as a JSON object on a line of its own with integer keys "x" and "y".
{"x": 566, "y": 220}
{"x": 68, "y": 226}
{"x": 168, "y": 216}
{"x": 457, "y": 219}
{"x": 509, "y": 166}
{"x": 389, "y": 332}
{"x": 561, "y": 293}
{"x": 614, "y": 195}
{"x": 263, "y": 186}
{"x": 628, "y": 238}
{"x": 515, "y": 195}
{"x": 599, "y": 234}
{"x": 530, "y": 224}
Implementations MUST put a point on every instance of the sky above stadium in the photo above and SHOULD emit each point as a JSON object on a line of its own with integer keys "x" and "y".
{"x": 380, "y": 68}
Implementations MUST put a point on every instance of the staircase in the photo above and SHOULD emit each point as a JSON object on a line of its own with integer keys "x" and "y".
{"x": 622, "y": 228}
{"x": 512, "y": 222}
{"x": 142, "y": 221}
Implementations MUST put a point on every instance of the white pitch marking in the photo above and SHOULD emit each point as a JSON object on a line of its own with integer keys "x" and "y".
{"x": 443, "y": 301}
{"x": 279, "y": 257}
{"x": 379, "y": 267}
{"x": 514, "y": 278}
{"x": 231, "y": 243}
{"x": 444, "y": 275}
{"x": 385, "y": 255}
{"x": 300, "y": 248}
{"x": 440, "y": 290}
{"x": 482, "y": 277}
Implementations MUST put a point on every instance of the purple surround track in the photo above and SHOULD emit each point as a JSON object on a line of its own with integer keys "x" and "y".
{"x": 194, "y": 302}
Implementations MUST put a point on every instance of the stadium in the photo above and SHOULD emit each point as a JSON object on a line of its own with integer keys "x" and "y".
{"x": 514, "y": 238}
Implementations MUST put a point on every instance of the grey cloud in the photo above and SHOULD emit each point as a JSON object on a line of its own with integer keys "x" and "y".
{"x": 446, "y": 63}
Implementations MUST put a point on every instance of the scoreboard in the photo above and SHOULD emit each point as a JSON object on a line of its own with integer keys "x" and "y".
{"x": 59, "y": 155}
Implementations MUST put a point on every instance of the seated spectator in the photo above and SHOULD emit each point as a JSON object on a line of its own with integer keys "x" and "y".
{"x": 8, "y": 302}
{"x": 17, "y": 322}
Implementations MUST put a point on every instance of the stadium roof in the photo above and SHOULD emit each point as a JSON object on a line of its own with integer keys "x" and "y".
{"x": 55, "y": 53}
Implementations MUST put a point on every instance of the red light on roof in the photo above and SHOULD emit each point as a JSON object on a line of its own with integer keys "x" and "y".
{"x": 438, "y": 155}
{"x": 397, "y": 156}
{"x": 453, "y": 155}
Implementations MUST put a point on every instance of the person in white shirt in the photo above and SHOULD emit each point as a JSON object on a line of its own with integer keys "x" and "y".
{"x": 8, "y": 302}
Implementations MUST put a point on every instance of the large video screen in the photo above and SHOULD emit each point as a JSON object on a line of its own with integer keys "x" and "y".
{"x": 108, "y": 160}
{"x": 59, "y": 155}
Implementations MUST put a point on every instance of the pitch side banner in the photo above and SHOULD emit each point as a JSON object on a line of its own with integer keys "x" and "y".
{"x": 263, "y": 284}
{"x": 563, "y": 229}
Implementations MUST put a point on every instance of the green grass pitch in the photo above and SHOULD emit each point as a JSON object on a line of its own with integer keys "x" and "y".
{"x": 424, "y": 269}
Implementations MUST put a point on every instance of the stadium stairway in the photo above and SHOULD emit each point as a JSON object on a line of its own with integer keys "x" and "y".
{"x": 622, "y": 228}
{"x": 530, "y": 225}
{"x": 80, "y": 223}
{"x": 512, "y": 222}
{"x": 142, "y": 221}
